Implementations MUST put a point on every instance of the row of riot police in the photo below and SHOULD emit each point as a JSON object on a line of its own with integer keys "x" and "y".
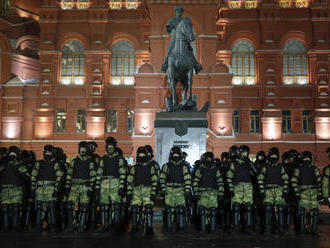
{"x": 274, "y": 192}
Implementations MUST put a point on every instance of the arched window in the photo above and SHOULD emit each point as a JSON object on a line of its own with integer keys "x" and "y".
{"x": 294, "y": 63}
{"x": 5, "y": 6}
{"x": 243, "y": 63}
{"x": 122, "y": 63}
{"x": 73, "y": 58}
{"x": 67, "y": 4}
{"x": 131, "y": 4}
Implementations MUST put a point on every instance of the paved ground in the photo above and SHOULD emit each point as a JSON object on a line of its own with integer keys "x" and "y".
{"x": 161, "y": 240}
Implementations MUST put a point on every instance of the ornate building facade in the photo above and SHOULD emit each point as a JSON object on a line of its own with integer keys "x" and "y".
{"x": 76, "y": 70}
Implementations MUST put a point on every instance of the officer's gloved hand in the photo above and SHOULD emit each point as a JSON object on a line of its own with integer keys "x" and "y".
{"x": 284, "y": 195}
{"x": 152, "y": 198}
{"x": 97, "y": 195}
{"x": 67, "y": 191}
{"x": 298, "y": 197}
{"x": 129, "y": 199}
{"x": 220, "y": 198}
{"x": 231, "y": 194}
{"x": 187, "y": 196}
{"x": 197, "y": 197}
{"x": 33, "y": 193}
{"x": 319, "y": 198}
{"x": 121, "y": 192}
{"x": 55, "y": 194}
{"x": 262, "y": 195}
{"x": 90, "y": 193}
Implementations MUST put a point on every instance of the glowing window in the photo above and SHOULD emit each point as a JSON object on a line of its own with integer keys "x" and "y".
{"x": 307, "y": 121}
{"x": 5, "y": 6}
{"x": 60, "y": 121}
{"x": 111, "y": 123}
{"x": 82, "y": 4}
{"x": 81, "y": 121}
{"x": 122, "y": 63}
{"x": 236, "y": 121}
{"x": 286, "y": 121}
{"x": 131, "y": 4}
{"x": 254, "y": 121}
{"x": 115, "y": 4}
{"x": 67, "y": 4}
{"x": 243, "y": 63}
{"x": 284, "y": 3}
{"x": 294, "y": 63}
{"x": 73, "y": 59}
{"x": 130, "y": 121}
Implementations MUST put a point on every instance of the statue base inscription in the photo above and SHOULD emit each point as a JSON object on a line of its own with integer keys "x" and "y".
{"x": 186, "y": 130}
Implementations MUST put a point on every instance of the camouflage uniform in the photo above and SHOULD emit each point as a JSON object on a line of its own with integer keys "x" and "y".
{"x": 45, "y": 182}
{"x": 79, "y": 182}
{"x": 110, "y": 180}
{"x": 239, "y": 178}
{"x": 208, "y": 188}
{"x": 141, "y": 188}
{"x": 307, "y": 185}
{"x": 273, "y": 186}
{"x": 175, "y": 181}
{"x": 13, "y": 175}
{"x": 326, "y": 185}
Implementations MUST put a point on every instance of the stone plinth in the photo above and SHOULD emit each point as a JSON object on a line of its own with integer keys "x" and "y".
{"x": 184, "y": 129}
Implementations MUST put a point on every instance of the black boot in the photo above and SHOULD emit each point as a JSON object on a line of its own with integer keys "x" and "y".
{"x": 149, "y": 215}
{"x": 116, "y": 215}
{"x": 169, "y": 218}
{"x": 213, "y": 219}
{"x": 16, "y": 217}
{"x": 134, "y": 215}
{"x": 39, "y": 211}
{"x": 69, "y": 213}
{"x": 62, "y": 215}
{"x": 268, "y": 211}
{"x": 92, "y": 217}
{"x": 236, "y": 220}
{"x": 302, "y": 220}
{"x": 182, "y": 217}
{"x": 248, "y": 219}
{"x": 104, "y": 223}
{"x": 5, "y": 217}
{"x": 314, "y": 221}
{"x": 280, "y": 213}
{"x": 83, "y": 217}
{"x": 202, "y": 216}
{"x": 52, "y": 217}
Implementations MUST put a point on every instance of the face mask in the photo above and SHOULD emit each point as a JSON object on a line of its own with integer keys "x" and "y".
{"x": 48, "y": 157}
{"x": 307, "y": 162}
{"x": 175, "y": 158}
{"x": 273, "y": 160}
{"x": 209, "y": 162}
{"x": 110, "y": 149}
{"x": 142, "y": 159}
{"x": 12, "y": 157}
{"x": 83, "y": 152}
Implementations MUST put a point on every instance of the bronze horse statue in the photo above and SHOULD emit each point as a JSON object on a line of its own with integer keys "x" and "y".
{"x": 181, "y": 67}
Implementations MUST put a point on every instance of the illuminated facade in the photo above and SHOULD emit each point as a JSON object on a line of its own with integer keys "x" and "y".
{"x": 76, "y": 70}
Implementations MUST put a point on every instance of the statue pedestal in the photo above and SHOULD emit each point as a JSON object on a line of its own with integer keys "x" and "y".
{"x": 186, "y": 130}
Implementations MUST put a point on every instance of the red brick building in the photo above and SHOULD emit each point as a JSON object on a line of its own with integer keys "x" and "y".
{"x": 76, "y": 70}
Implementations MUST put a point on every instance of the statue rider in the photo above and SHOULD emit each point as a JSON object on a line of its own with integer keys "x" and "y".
{"x": 171, "y": 28}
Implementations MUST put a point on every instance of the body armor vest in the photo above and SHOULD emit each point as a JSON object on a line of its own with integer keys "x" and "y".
{"x": 242, "y": 173}
{"x": 81, "y": 169}
{"x": 273, "y": 175}
{"x": 209, "y": 177}
{"x": 175, "y": 173}
{"x": 307, "y": 176}
{"x": 46, "y": 171}
{"x": 142, "y": 175}
{"x": 9, "y": 175}
{"x": 111, "y": 166}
